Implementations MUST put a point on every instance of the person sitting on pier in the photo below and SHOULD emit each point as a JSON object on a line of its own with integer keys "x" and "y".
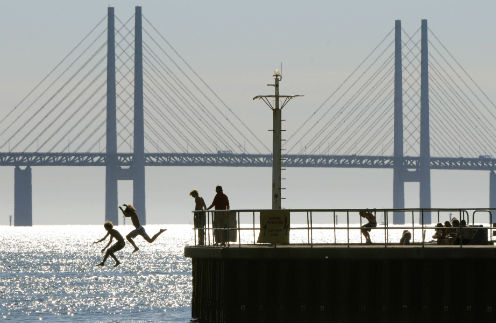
{"x": 439, "y": 233}
{"x": 130, "y": 212}
{"x": 199, "y": 218}
{"x": 116, "y": 247}
{"x": 406, "y": 237}
{"x": 366, "y": 228}
{"x": 220, "y": 221}
{"x": 448, "y": 229}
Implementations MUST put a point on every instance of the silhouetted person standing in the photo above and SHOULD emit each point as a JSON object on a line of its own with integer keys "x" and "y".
{"x": 116, "y": 247}
{"x": 199, "y": 219}
{"x": 130, "y": 212}
{"x": 220, "y": 202}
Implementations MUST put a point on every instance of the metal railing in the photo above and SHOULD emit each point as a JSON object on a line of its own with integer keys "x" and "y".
{"x": 343, "y": 227}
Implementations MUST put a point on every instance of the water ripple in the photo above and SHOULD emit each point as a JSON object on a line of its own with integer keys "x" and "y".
{"x": 48, "y": 273}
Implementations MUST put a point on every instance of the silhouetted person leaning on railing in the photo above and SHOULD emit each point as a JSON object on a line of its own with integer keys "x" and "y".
{"x": 199, "y": 217}
{"x": 220, "y": 221}
{"x": 366, "y": 228}
{"x": 130, "y": 212}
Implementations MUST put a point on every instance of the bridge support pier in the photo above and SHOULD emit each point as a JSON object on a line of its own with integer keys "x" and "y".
{"x": 112, "y": 167}
{"x": 23, "y": 197}
{"x": 492, "y": 194}
{"x": 425, "y": 152}
{"x": 398, "y": 177}
{"x": 138, "y": 167}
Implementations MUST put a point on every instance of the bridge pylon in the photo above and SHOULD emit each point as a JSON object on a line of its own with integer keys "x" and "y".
{"x": 398, "y": 170}
{"x": 112, "y": 166}
{"x": 114, "y": 171}
{"x": 401, "y": 174}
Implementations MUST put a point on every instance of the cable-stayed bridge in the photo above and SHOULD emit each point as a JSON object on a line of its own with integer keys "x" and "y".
{"x": 125, "y": 98}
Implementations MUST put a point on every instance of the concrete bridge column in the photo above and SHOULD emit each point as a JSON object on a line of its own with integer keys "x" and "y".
{"x": 111, "y": 168}
{"x": 23, "y": 197}
{"x": 425, "y": 153}
{"x": 398, "y": 178}
{"x": 138, "y": 167}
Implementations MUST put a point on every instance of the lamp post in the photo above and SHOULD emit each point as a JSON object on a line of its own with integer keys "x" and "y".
{"x": 276, "y": 135}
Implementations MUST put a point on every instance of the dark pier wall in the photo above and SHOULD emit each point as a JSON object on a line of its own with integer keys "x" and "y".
{"x": 440, "y": 284}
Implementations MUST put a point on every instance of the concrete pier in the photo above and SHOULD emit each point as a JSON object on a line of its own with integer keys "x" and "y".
{"x": 23, "y": 197}
{"x": 332, "y": 283}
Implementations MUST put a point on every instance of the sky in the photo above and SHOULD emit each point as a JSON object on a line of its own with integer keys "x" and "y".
{"x": 235, "y": 46}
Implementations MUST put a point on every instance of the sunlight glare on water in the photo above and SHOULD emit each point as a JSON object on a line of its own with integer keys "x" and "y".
{"x": 48, "y": 273}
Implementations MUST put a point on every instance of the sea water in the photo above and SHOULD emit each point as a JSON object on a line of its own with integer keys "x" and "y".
{"x": 49, "y": 273}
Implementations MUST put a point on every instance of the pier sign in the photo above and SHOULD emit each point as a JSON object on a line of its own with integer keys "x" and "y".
{"x": 274, "y": 226}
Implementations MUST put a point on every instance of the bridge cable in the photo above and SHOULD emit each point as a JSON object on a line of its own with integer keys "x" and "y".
{"x": 367, "y": 88}
{"x": 56, "y": 118}
{"x": 464, "y": 71}
{"x": 356, "y": 96}
{"x": 467, "y": 101}
{"x": 371, "y": 108}
{"x": 185, "y": 127}
{"x": 463, "y": 117}
{"x": 447, "y": 129}
{"x": 363, "y": 132}
{"x": 165, "y": 129}
{"x": 211, "y": 90}
{"x": 79, "y": 121}
{"x": 175, "y": 104}
{"x": 376, "y": 135}
{"x": 32, "y": 103}
{"x": 340, "y": 86}
{"x": 154, "y": 56}
{"x": 50, "y": 73}
{"x": 189, "y": 94}
{"x": 340, "y": 97}
{"x": 185, "y": 89}
{"x": 65, "y": 123}
{"x": 456, "y": 92}
{"x": 53, "y": 96}
{"x": 187, "y": 116}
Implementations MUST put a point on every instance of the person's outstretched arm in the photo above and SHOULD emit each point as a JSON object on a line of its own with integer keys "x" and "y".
{"x": 98, "y": 241}
{"x": 108, "y": 244}
{"x": 124, "y": 213}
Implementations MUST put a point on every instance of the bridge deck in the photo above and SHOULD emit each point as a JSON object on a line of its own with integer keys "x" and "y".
{"x": 241, "y": 160}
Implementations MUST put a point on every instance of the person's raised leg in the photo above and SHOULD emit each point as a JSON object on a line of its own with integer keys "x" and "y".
{"x": 155, "y": 236}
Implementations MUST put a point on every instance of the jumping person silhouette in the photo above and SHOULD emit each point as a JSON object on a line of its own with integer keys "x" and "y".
{"x": 116, "y": 247}
{"x": 130, "y": 212}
